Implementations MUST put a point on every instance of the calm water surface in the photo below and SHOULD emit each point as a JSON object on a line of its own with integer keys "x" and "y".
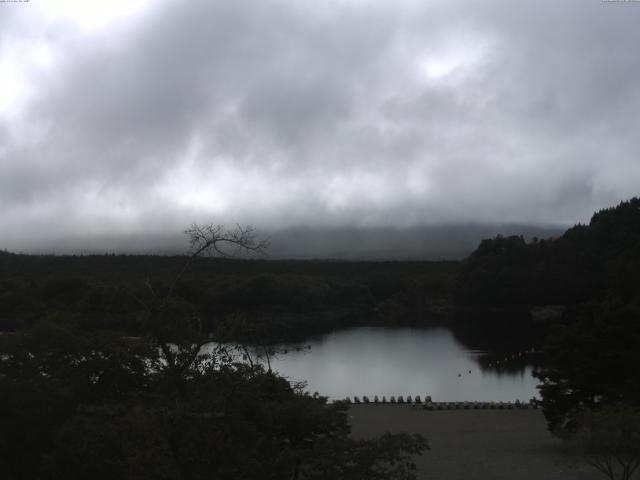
{"x": 401, "y": 361}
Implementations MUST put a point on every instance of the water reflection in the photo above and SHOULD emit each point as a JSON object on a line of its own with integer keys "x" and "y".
{"x": 403, "y": 361}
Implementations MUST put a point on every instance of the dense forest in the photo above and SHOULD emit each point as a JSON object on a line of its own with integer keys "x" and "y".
{"x": 102, "y": 376}
{"x": 588, "y": 262}
{"x": 79, "y": 398}
{"x": 284, "y": 297}
{"x": 508, "y": 290}
{"x": 592, "y": 342}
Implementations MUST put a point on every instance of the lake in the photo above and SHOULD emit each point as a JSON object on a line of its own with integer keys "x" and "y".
{"x": 402, "y": 361}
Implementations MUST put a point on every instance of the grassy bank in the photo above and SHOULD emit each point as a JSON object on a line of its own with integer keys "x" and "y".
{"x": 475, "y": 444}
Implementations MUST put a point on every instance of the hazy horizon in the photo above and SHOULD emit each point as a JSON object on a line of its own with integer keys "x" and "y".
{"x": 437, "y": 242}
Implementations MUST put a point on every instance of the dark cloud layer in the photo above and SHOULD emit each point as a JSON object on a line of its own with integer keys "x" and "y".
{"x": 325, "y": 114}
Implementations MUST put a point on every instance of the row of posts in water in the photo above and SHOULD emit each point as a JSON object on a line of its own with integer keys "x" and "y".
{"x": 515, "y": 356}
{"x": 428, "y": 404}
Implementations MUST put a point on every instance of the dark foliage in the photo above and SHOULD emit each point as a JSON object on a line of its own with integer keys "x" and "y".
{"x": 78, "y": 401}
{"x": 591, "y": 363}
{"x": 586, "y": 263}
{"x": 286, "y": 297}
{"x": 592, "y": 352}
{"x": 608, "y": 439}
{"x": 77, "y": 405}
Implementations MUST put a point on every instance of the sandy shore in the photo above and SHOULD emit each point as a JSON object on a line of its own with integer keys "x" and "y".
{"x": 475, "y": 444}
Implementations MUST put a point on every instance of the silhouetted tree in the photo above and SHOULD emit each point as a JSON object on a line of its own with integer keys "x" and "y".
{"x": 591, "y": 363}
{"x": 609, "y": 440}
{"x": 78, "y": 404}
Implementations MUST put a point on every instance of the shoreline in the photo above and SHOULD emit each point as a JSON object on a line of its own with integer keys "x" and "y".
{"x": 470, "y": 444}
{"x": 428, "y": 404}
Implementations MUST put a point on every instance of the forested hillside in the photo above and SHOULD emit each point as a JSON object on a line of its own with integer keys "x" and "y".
{"x": 587, "y": 263}
{"x": 592, "y": 350}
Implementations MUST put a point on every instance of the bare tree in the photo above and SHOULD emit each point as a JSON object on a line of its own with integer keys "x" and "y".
{"x": 609, "y": 440}
{"x": 174, "y": 323}
{"x": 214, "y": 239}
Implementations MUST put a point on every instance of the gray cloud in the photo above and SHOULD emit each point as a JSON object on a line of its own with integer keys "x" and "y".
{"x": 286, "y": 114}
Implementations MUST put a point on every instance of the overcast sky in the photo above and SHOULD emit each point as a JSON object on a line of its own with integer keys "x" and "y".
{"x": 124, "y": 116}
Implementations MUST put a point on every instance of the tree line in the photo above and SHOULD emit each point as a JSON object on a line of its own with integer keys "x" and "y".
{"x": 590, "y": 381}
{"x": 79, "y": 403}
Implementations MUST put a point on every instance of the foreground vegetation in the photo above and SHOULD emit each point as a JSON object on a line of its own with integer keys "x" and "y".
{"x": 78, "y": 405}
{"x": 69, "y": 370}
{"x": 590, "y": 382}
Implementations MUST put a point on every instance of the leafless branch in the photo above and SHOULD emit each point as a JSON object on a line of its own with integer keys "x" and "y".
{"x": 214, "y": 239}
